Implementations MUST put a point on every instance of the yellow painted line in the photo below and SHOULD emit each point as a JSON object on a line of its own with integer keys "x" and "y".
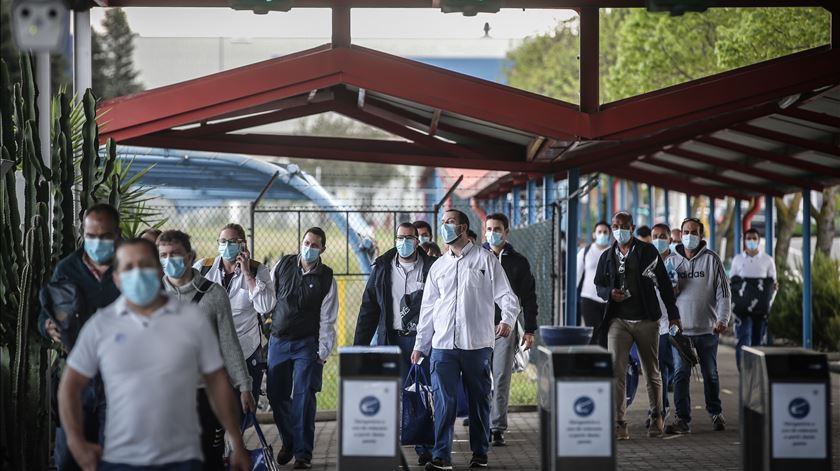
{"x": 341, "y": 323}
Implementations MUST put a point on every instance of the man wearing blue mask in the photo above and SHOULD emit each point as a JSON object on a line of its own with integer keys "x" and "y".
{"x": 391, "y": 302}
{"x": 518, "y": 271}
{"x": 248, "y": 285}
{"x": 186, "y": 284}
{"x": 632, "y": 278}
{"x": 457, "y": 331}
{"x": 86, "y": 276}
{"x": 302, "y": 338}
{"x": 151, "y": 351}
{"x": 591, "y": 305}
{"x": 705, "y": 305}
{"x": 424, "y": 231}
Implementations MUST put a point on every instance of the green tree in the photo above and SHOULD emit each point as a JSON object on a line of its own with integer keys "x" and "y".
{"x": 113, "y": 55}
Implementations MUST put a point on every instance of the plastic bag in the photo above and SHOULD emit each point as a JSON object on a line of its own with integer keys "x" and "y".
{"x": 418, "y": 419}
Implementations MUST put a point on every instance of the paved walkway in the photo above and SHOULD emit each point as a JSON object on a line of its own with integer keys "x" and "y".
{"x": 702, "y": 449}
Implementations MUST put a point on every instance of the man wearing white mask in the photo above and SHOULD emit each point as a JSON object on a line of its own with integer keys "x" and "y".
{"x": 302, "y": 338}
{"x": 457, "y": 331}
{"x": 518, "y": 271}
{"x": 591, "y": 305}
{"x": 248, "y": 285}
{"x": 391, "y": 302}
{"x": 705, "y": 306}
{"x": 151, "y": 351}
{"x": 186, "y": 284}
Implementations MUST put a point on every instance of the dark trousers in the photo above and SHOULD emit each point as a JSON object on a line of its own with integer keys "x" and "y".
{"x": 191, "y": 465}
{"x": 256, "y": 367}
{"x": 406, "y": 345}
{"x": 750, "y": 330}
{"x": 592, "y": 313}
{"x": 294, "y": 376}
{"x": 212, "y": 434}
{"x": 706, "y": 346}
{"x": 93, "y": 418}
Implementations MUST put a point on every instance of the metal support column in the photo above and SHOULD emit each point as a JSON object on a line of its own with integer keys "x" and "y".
{"x": 516, "y": 213}
{"x": 622, "y": 202}
{"x": 806, "y": 269}
{"x": 572, "y": 222}
{"x": 599, "y": 204}
{"x": 769, "y": 229}
{"x": 341, "y": 26}
{"x": 688, "y": 205}
{"x": 82, "y": 53}
{"x": 610, "y": 199}
{"x": 738, "y": 228}
{"x": 586, "y": 216}
{"x": 667, "y": 207}
{"x": 531, "y": 190}
{"x": 590, "y": 78}
{"x": 712, "y": 224}
{"x": 636, "y": 203}
{"x": 549, "y": 196}
{"x": 651, "y": 206}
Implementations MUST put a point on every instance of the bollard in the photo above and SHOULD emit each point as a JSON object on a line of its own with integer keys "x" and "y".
{"x": 368, "y": 408}
{"x": 576, "y": 408}
{"x": 785, "y": 404}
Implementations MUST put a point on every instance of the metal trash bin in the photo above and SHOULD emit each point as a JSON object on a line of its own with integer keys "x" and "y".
{"x": 576, "y": 408}
{"x": 785, "y": 404}
{"x": 368, "y": 408}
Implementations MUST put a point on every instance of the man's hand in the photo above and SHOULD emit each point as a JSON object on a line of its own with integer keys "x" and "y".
{"x": 503, "y": 330}
{"x": 52, "y": 330}
{"x": 617, "y": 295}
{"x": 87, "y": 454}
{"x": 527, "y": 341}
{"x": 675, "y": 322}
{"x": 321, "y": 362}
{"x": 239, "y": 459}
{"x": 248, "y": 402}
{"x": 720, "y": 328}
{"x": 416, "y": 355}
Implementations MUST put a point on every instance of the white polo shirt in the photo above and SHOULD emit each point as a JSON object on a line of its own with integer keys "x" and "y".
{"x": 150, "y": 366}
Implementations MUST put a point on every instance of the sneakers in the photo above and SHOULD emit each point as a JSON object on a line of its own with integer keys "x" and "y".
{"x": 498, "y": 438}
{"x": 621, "y": 432}
{"x": 478, "y": 461}
{"x": 423, "y": 459}
{"x": 284, "y": 456}
{"x": 466, "y": 422}
{"x": 678, "y": 427}
{"x": 719, "y": 423}
{"x": 657, "y": 427}
{"x": 438, "y": 464}
{"x": 302, "y": 464}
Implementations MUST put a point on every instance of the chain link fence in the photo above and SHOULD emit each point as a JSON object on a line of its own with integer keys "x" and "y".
{"x": 276, "y": 232}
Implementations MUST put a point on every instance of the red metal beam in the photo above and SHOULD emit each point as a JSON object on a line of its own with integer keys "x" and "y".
{"x": 259, "y": 120}
{"x": 785, "y": 138}
{"x": 590, "y": 77}
{"x": 693, "y": 172}
{"x": 812, "y": 116}
{"x": 341, "y": 26}
{"x": 774, "y": 157}
{"x": 745, "y": 168}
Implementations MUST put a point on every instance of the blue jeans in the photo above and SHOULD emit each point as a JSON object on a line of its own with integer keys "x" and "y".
{"x": 406, "y": 345}
{"x": 750, "y": 331}
{"x": 294, "y": 376}
{"x": 93, "y": 419}
{"x": 191, "y": 465}
{"x": 706, "y": 347}
{"x": 448, "y": 366}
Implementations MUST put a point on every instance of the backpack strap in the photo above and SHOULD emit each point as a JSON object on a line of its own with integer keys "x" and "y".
{"x": 583, "y": 269}
{"x": 205, "y": 286}
{"x": 206, "y": 265}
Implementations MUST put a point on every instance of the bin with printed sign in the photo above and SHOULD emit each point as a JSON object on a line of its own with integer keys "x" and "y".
{"x": 576, "y": 408}
{"x": 785, "y": 409}
{"x": 368, "y": 408}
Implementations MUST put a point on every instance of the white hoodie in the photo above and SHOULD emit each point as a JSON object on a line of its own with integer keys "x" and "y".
{"x": 704, "y": 298}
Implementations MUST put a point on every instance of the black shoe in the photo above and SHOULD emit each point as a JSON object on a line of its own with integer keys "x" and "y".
{"x": 678, "y": 427}
{"x": 302, "y": 464}
{"x": 498, "y": 438}
{"x": 423, "y": 459}
{"x": 438, "y": 465}
{"x": 478, "y": 461}
{"x": 284, "y": 456}
{"x": 466, "y": 422}
{"x": 719, "y": 423}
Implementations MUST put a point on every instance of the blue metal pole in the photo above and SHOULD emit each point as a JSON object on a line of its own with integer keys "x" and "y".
{"x": 586, "y": 216}
{"x": 712, "y": 224}
{"x": 548, "y": 196}
{"x": 806, "y": 269}
{"x": 532, "y": 201}
{"x": 599, "y": 206}
{"x": 622, "y": 203}
{"x": 610, "y": 199}
{"x": 516, "y": 214}
{"x": 688, "y": 205}
{"x": 738, "y": 228}
{"x": 667, "y": 207}
{"x": 769, "y": 230}
{"x": 572, "y": 222}
{"x": 651, "y": 206}
{"x": 636, "y": 203}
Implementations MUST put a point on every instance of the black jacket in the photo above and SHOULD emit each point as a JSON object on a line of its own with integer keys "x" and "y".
{"x": 647, "y": 256}
{"x": 518, "y": 272}
{"x": 376, "y": 312}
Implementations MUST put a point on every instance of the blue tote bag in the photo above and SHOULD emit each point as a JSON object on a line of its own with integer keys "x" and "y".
{"x": 418, "y": 422}
{"x": 262, "y": 458}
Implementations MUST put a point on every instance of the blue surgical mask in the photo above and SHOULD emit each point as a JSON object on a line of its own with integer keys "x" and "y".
{"x": 449, "y": 232}
{"x": 661, "y": 245}
{"x": 405, "y": 247}
{"x": 140, "y": 285}
{"x": 173, "y": 267}
{"x": 622, "y": 235}
{"x": 602, "y": 238}
{"x": 494, "y": 238}
{"x": 424, "y": 239}
{"x": 690, "y": 241}
{"x": 673, "y": 246}
{"x": 99, "y": 250}
{"x": 229, "y": 251}
{"x": 309, "y": 254}
{"x": 752, "y": 244}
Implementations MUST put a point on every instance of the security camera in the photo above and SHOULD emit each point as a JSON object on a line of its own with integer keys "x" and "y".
{"x": 40, "y": 25}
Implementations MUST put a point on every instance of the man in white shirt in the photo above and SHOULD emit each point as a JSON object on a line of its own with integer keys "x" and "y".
{"x": 151, "y": 351}
{"x": 302, "y": 337}
{"x": 457, "y": 332}
{"x": 592, "y": 307}
{"x": 753, "y": 276}
{"x": 661, "y": 239}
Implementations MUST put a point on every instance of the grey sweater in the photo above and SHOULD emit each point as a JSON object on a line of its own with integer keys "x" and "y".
{"x": 704, "y": 298}
{"x": 215, "y": 303}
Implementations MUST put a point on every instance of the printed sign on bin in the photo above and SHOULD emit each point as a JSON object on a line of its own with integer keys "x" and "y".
{"x": 369, "y": 418}
{"x": 583, "y": 418}
{"x": 799, "y": 425}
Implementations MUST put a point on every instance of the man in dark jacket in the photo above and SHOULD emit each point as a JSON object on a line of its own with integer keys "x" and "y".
{"x": 89, "y": 271}
{"x": 391, "y": 302}
{"x": 628, "y": 276}
{"x": 518, "y": 271}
